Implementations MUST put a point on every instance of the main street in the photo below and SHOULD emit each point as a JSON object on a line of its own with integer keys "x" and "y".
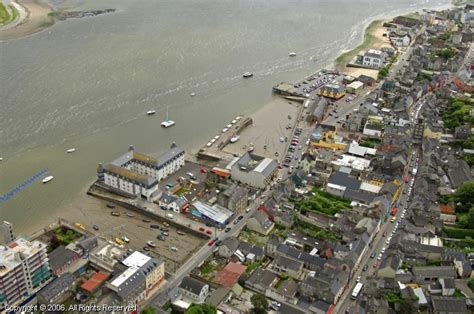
{"x": 202, "y": 254}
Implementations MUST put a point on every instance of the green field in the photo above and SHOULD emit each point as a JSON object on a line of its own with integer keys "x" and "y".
{"x": 323, "y": 202}
{"x": 369, "y": 40}
{"x": 6, "y": 16}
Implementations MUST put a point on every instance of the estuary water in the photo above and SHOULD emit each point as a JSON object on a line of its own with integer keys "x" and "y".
{"x": 87, "y": 83}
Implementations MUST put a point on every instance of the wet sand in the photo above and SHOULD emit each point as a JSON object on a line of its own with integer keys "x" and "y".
{"x": 269, "y": 125}
{"x": 36, "y": 20}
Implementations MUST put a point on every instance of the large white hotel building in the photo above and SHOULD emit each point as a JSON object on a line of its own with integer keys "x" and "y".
{"x": 139, "y": 174}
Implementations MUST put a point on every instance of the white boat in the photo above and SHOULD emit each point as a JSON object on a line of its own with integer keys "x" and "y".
{"x": 193, "y": 94}
{"x": 251, "y": 148}
{"x": 47, "y": 179}
{"x": 167, "y": 123}
{"x": 150, "y": 112}
{"x": 247, "y": 75}
{"x": 225, "y": 130}
{"x": 1, "y": 159}
{"x": 235, "y": 138}
{"x": 71, "y": 150}
{"x": 292, "y": 54}
{"x": 151, "y": 243}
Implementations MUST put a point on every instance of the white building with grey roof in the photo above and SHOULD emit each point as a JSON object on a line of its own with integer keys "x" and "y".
{"x": 138, "y": 174}
{"x": 254, "y": 170}
{"x": 373, "y": 58}
{"x": 142, "y": 275}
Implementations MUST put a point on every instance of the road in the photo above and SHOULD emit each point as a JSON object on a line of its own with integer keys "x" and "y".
{"x": 199, "y": 257}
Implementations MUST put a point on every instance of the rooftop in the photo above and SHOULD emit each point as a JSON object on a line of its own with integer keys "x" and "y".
{"x": 216, "y": 213}
{"x": 15, "y": 252}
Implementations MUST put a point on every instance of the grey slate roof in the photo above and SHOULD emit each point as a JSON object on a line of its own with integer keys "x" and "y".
{"x": 448, "y": 304}
{"x": 435, "y": 271}
{"x": 60, "y": 257}
{"x": 288, "y": 263}
{"x": 57, "y": 286}
{"x": 344, "y": 179}
{"x": 192, "y": 285}
{"x": 262, "y": 277}
{"x": 88, "y": 243}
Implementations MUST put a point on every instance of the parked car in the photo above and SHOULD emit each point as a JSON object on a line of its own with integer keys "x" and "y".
{"x": 227, "y": 229}
{"x": 155, "y": 226}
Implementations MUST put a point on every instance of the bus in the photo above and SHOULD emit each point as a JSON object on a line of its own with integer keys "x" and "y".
{"x": 357, "y": 289}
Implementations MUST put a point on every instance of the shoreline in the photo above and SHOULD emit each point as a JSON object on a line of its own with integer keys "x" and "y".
{"x": 74, "y": 209}
{"x": 37, "y": 18}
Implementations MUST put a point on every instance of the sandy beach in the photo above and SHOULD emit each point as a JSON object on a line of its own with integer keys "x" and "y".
{"x": 373, "y": 38}
{"x": 36, "y": 19}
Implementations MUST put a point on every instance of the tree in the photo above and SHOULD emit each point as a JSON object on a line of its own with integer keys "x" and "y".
{"x": 260, "y": 303}
{"x": 148, "y": 310}
{"x": 465, "y": 195}
{"x": 201, "y": 309}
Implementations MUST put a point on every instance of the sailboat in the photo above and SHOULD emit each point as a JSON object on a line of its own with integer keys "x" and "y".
{"x": 167, "y": 123}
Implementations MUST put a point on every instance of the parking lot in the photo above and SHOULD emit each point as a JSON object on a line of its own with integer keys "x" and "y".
{"x": 314, "y": 82}
{"x": 93, "y": 211}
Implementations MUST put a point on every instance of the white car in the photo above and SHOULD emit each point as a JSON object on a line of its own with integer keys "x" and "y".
{"x": 125, "y": 239}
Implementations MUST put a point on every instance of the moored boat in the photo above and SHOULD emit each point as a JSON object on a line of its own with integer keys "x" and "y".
{"x": 292, "y": 54}
{"x": 247, "y": 75}
{"x": 71, "y": 150}
{"x": 150, "y": 112}
{"x": 47, "y": 179}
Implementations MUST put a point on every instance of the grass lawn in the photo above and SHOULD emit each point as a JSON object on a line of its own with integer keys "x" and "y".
{"x": 181, "y": 191}
{"x": 252, "y": 237}
{"x": 323, "y": 202}
{"x": 370, "y": 142}
{"x": 369, "y": 40}
{"x": 5, "y": 16}
{"x": 65, "y": 235}
{"x": 312, "y": 230}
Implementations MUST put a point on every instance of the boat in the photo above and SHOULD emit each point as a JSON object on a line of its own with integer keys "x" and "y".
{"x": 47, "y": 179}
{"x": 150, "y": 112}
{"x": 129, "y": 215}
{"x": 251, "y": 148}
{"x": 71, "y": 150}
{"x": 167, "y": 123}
{"x": 193, "y": 94}
{"x": 95, "y": 227}
{"x": 235, "y": 138}
{"x": 292, "y": 54}
{"x": 247, "y": 75}
{"x": 110, "y": 205}
{"x": 115, "y": 213}
{"x": 151, "y": 243}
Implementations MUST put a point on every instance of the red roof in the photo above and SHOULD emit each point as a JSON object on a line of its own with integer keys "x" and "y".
{"x": 95, "y": 281}
{"x": 13, "y": 245}
{"x": 221, "y": 172}
{"x": 446, "y": 209}
{"x": 229, "y": 276}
